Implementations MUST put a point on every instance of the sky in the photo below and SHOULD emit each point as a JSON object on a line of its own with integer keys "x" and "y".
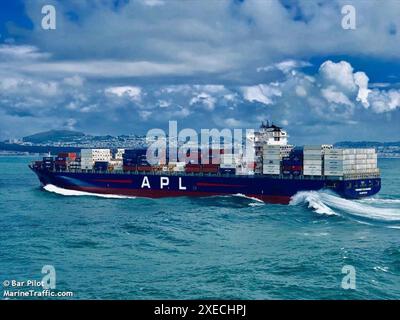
{"x": 128, "y": 66}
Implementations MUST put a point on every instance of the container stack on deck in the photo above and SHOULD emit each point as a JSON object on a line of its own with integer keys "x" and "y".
{"x": 75, "y": 165}
{"x": 271, "y": 159}
{"x": 132, "y": 158}
{"x": 63, "y": 160}
{"x": 312, "y": 161}
{"x": 292, "y": 164}
{"x": 48, "y": 163}
{"x": 350, "y": 161}
{"x": 90, "y": 156}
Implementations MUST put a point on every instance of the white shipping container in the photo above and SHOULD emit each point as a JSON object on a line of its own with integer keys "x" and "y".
{"x": 333, "y": 157}
{"x": 312, "y": 147}
{"x": 271, "y": 170}
{"x": 312, "y": 152}
{"x": 272, "y": 162}
{"x": 271, "y": 167}
{"x": 312, "y": 162}
{"x": 273, "y": 152}
{"x": 312, "y": 166}
{"x": 312, "y": 173}
{"x": 312, "y": 157}
{"x": 333, "y": 173}
{"x": 340, "y": 151}
{"x": 271, "y": 146}
{"x": 271, "y": 157}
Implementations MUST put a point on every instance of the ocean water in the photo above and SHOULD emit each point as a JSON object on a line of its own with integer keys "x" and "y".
{"x": 220, "y": 247}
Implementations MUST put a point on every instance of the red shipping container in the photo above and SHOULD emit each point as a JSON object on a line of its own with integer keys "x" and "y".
{"x": 210, "y": 170}
{"x": 192, "y": 170}
{"x": 129, "y": 168}
{"x": 144, "y": 168}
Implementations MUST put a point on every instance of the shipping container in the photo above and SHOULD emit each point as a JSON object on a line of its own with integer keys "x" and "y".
{"x": 271, "y": 162}
{"x": 100, "y": 166}
{"x": 312, "y": 172}
{"x": 271, "y": 157}
{"x": 313, "y": 162}
{"x": 144, "y": 168}
{"x": 129, "y": 168}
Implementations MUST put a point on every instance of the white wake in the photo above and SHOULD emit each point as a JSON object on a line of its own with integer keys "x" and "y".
{"x": 330, "y": 204}
{"x": 68, "y": 192}
{"x": 241, "y": 195}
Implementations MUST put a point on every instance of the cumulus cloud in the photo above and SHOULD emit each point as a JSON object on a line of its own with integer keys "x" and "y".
{"x": 262, "y": 93}
{"x": 132, "y": 92}
{"x": 204, "y": 99}
{"x": 342, "y": 82}
{"x": 385, "y": 101}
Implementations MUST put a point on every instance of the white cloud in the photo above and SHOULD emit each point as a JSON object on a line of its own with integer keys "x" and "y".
{"x": 340, "y": 74}
{"x": 231, "y": 122}
{"x": 204, "y": 99}
{"x": 21, "y": 52}
{"x": 333, "y": 96}
{"x": 74, "y": 81}
{"x": 361, "y": 80}
{"x": 133, "y": 93}
{"x": 385, "y": 101}
{"x": 285, "y": 66}
{"x": 340, "y": 77}
{"x": 262, "y": 93}
{"x": 301, "y": 91}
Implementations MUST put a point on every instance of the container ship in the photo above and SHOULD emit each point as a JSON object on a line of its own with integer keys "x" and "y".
{"x": 274, "y": 173}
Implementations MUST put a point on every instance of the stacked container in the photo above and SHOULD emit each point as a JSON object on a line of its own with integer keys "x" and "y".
{"x": 293, "y": 164}
{"x": 312, "y": 160}
{"x": 75, "y": 165}
{"x": 119, "y": 153}
{"x": 338, "y": 162}
{"x": 271, "y": 159}
{"x": 286, "y": 150}
{"x": 100, "y": 166}
{"x": 48, "y": 163}
{"x": 116, "y": 164}
{"x": 90, "y": 156}
{"x": 132, "y": 158}
{"x": 63, "y": 160}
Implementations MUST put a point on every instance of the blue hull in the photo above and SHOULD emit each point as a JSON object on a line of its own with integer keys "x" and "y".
{"x": 156, "y": 185}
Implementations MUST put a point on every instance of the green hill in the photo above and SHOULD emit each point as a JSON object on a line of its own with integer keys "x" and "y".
{"x": 53, "y": 135}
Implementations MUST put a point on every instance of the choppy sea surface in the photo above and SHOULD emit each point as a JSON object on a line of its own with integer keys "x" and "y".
{"x": 184, "y": 248}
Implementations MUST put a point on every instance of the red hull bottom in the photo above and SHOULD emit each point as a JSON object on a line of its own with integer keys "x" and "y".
{"x": 168, "y": 193}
